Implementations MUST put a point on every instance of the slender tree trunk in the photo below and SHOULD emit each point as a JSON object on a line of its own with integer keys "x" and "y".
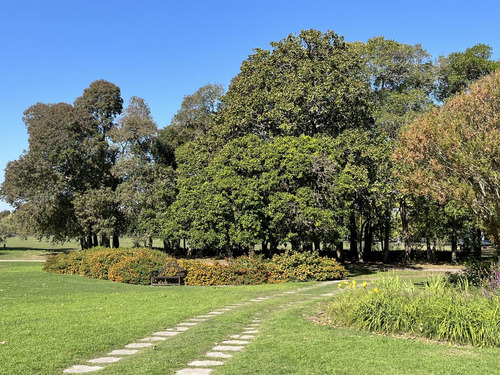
{"x": 454, "y": 246}
{"x": 89, "y": 241}
{"x": 405, "y": 232}
{"x": 295, "y": 245}
{"x": 339, "y": 249}
{"x": 353, "y": 235}
{"x": 83, "y": 244}
{"x": 96, "y": 240}
{"x": 317, "y": 245}
{"x": 150, "y": 242}
{"x": 368, "y": 241}
{"x": 477, "y": 244}
{"x": 429, "y": 248}
{"x": 387, "y": 234}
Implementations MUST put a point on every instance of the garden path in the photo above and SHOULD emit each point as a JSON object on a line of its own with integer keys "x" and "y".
{"x": 229, "y": 346}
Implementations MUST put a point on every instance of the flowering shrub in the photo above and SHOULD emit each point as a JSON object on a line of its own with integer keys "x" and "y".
{"x": 134, "y": 266}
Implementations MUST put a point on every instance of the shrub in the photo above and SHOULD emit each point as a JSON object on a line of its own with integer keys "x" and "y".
{"x": 438, "y": 311}
{"x": 304, "y": 266}
{"x": 475, "y": 273}
{"x": 134, "y": 266}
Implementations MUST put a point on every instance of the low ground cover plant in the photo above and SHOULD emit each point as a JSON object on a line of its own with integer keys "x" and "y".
{"x": 134, "y": 266}
{"x": 438, "y": 310}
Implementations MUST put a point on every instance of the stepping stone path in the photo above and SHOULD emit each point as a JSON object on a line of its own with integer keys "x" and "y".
{"x": 221, "y": 351}
{"x": 215, "y": 357}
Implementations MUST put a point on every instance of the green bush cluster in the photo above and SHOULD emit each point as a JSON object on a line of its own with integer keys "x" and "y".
{"x": 438, "y": 311}
{"x": 134, "y": 266}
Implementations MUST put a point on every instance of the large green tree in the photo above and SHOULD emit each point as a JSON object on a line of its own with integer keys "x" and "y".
{"x": 459, "y": 69}
{"x": 308, "y": 84}
{"x": 68, "y": 158}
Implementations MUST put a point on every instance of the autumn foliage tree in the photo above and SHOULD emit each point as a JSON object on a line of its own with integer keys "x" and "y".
{"x": 453, "y": 152}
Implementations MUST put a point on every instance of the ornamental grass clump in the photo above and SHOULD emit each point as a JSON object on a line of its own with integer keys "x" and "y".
{"x": 437, "y": 311}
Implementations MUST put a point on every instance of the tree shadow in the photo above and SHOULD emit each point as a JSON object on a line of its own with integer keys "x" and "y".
{"x": 369, "y": 268}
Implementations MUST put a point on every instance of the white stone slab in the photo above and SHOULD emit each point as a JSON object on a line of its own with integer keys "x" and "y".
{"x": 251, "y": 331}
{"x": 80, "y": 369}
{"x": 197, "y": 320}
{"x": 235, "y": 342}
{"x": 247, "y": 337}
{"x": 205, "y": 316}
{"x": 104, "y": 360}
{"x": 194, "y": 371}
{"x": 226, "y": 309}
{"x": 227, "y": 348}
{"x": 215, "y": 312}
{"x": 166, "y": 333}
{"x": 263, "y": 298}
{"x": 181, "y": 329}
{"x": 253, "y": 324}
{"x": 235, "y": 336}
{"x": 157, "y": 338}
{"x": 136, "y": 345}
{"x": 289, "y": 292}
{"x": 188, "y": 324}
{"x": 256, "y": 300}
{"x": 218, "y": 355}
{"x": 205, "y": 363}
{"x": 123, "y": 352}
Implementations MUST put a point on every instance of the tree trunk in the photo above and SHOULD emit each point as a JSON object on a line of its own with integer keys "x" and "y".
{"x": 405, "y": 232}
{"x": 429, "y": 249}
{"x": 83, "y": 243}
{"x": 317, "y": 245}
{"x": 353, "y": 235}
{"x": 116, "y": 241}
{"x": 295, "y": 245}
{"x": 477, "y": 244}
{"x": 150, "y": 242}
{"x": 89, "y": 241}
{"x": 96, "y": 240}
{"x": 339, "y": 249}
{"x": 368, "y": 241}
{"x": 454, "y": 246}
{"x": 387, "y": 234}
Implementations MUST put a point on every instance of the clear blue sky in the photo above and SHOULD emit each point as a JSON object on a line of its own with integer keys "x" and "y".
{"x": 162, "y": 50}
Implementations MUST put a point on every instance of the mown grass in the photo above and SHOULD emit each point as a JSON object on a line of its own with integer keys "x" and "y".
{"x": 33, "y": 249}
{"x": 49, "y": 322}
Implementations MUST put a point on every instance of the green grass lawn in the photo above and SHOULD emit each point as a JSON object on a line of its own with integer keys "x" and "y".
{"x": 33, "y": 249}
{"x": 50, "y": 322}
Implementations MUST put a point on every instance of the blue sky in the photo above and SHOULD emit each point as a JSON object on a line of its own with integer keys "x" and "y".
{"x": 163, "y": 50}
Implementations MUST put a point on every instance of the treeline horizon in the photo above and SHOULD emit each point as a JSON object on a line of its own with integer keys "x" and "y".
{"x": 316, "y": 141}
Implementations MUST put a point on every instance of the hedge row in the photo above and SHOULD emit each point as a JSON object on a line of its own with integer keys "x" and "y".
{"x": 134, "y": 266}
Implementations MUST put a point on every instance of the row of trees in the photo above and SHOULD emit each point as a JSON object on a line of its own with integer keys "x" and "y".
{"x": 299, "y": 150}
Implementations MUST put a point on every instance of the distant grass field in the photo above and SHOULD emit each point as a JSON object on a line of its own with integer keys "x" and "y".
{"x": 50, "y": 322}
{"x": 33, "y": 249}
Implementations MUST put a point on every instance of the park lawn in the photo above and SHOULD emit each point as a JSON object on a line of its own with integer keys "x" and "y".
{"x": 50, "y": 321}
{"x": 33, "y": 249}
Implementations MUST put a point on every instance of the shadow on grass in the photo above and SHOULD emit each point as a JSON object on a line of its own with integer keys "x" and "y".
{"x": 369, "y": 268}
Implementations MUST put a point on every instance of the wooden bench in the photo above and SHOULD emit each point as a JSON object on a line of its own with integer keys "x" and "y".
{"x": 171, "y": 274}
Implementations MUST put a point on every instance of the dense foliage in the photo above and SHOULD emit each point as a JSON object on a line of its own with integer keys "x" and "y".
{"x": 296, "y": 152}
{"x": 134, "y": 266}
